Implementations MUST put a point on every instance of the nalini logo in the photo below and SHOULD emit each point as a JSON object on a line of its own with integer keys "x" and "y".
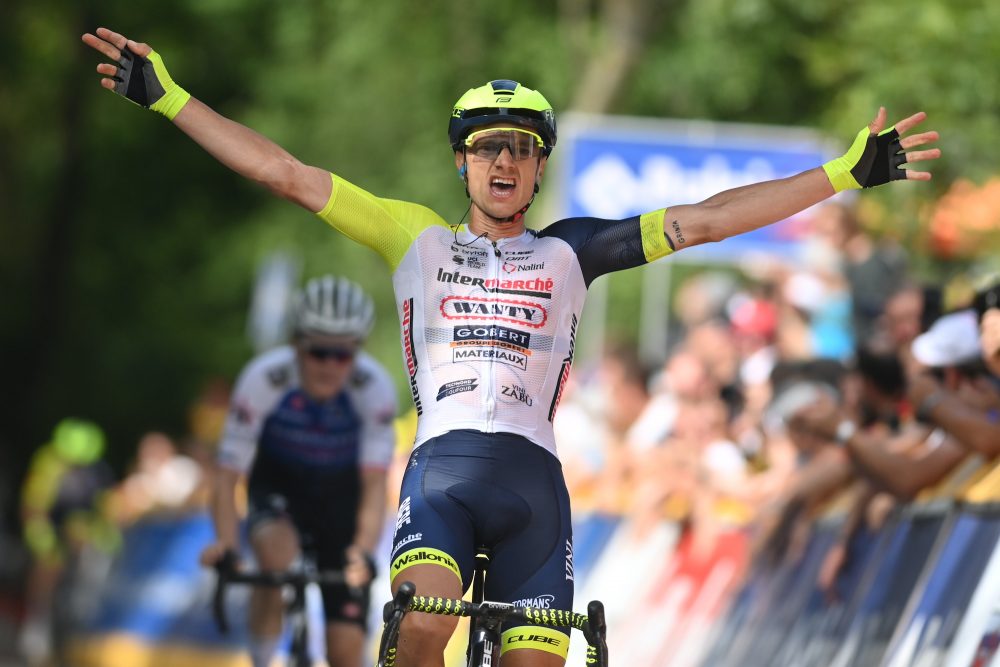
{"x": 403, "y": 516}
{"x": 511, "y": 267}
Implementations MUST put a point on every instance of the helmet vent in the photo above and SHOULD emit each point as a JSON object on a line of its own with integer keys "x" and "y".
{"x": 504, "y": 86}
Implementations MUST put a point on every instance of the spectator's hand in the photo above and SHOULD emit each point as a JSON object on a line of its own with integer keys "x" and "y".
{"x": 360, "y": 568}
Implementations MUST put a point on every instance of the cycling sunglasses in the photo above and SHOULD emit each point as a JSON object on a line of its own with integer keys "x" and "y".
{"x": 487, "y": 144}
{"x": 322, "y": 353}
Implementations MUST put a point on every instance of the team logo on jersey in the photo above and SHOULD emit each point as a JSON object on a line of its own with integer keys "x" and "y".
{"x": 567, "y": 363}
{"x": 517, "y": 393}
{"x": 536, "y": 287}
{"x": 467, "y": 251}
{"x": 403, "y": 515}
{"x": 526, "y": 313}
{"x": 409, "y": 354}
{"x": 508, "y": 357}
{"x": 470, "y": 257}
{"x": 543, "y": 601}
{"x": 412, "y": 537}
{"x": 457, "y": 387}
{"x": 491, "y": 343}
{"x": 492, "y": 335}
{"x": 471, "y": 262}
{"x": 511, "y": 267}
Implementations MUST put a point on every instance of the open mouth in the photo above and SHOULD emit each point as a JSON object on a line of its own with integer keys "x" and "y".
{"x": 502, "y": 187}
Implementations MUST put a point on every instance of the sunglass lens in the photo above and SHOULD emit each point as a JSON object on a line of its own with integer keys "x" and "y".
{"x": 335, "y": 353}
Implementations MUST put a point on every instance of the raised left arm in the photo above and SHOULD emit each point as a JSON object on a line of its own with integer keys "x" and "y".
{"x": 876, "y": 157}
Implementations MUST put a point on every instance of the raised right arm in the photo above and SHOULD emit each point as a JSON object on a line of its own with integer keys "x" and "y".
{"x": 238, "y": 147}
{"x": 255, "y": 156}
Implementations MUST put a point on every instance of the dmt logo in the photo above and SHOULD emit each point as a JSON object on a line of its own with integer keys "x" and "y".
{"x": 526, "y": 313}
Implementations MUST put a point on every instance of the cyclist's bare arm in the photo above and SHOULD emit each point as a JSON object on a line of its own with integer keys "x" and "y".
{"x": 238, "y": 147}
{"x": 371, "y": 510}
{"x": 750, "y": 207}
{"x": 370, "y": 521}
{"x": 224, "y": 516}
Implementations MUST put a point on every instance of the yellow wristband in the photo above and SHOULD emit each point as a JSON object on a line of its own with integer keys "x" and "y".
{"x": 839, "y": 170}
{"x": 174, "y": 97}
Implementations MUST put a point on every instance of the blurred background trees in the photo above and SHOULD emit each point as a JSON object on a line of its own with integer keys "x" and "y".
{"x": 127, "y": 256}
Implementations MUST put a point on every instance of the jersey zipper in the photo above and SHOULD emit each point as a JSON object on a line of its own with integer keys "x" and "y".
{"x": 491, "y": 399}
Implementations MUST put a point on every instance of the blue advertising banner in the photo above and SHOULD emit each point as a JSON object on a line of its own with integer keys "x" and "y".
{"x": 930, "y": 628}
{"x": 620, "y": 167}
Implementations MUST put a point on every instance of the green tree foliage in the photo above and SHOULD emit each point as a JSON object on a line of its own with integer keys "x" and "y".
{"x": 127, "y": 255}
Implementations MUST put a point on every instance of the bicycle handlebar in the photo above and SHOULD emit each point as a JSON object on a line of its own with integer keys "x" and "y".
{"x": 500, "y": 611}
{"x": 228, "y": 574}
{"x": 593, "y": 625}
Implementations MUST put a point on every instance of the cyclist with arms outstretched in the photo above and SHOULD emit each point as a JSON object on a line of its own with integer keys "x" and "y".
{"x": 489, "y": 313}
{"x": 311, "y": 426}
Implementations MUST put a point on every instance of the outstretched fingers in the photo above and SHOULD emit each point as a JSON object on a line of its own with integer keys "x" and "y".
{"x": 105, "y": 47}
{"x": 915, "y": 140}
{"x": 909, "y": 123}
{"x": 111, "y": 44}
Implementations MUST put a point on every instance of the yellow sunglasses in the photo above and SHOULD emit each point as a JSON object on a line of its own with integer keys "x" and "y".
{"x": 487, "y": 144}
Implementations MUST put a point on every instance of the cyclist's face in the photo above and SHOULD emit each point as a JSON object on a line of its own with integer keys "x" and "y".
{"x": 325, "y": 364}
{"x": 504, "y": 164}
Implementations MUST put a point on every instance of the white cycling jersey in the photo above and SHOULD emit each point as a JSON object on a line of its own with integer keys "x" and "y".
{"x": 269, "y": 412}
{"x": 488, "y": 328}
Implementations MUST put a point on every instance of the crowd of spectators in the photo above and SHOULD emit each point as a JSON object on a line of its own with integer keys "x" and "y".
{"x": 837, "y": 384}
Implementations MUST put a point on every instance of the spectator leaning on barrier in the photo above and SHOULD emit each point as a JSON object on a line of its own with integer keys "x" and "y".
{"x": 311, "y": 423}
{"x": 967, "y": 411}
{"x": 913, "y": 456}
